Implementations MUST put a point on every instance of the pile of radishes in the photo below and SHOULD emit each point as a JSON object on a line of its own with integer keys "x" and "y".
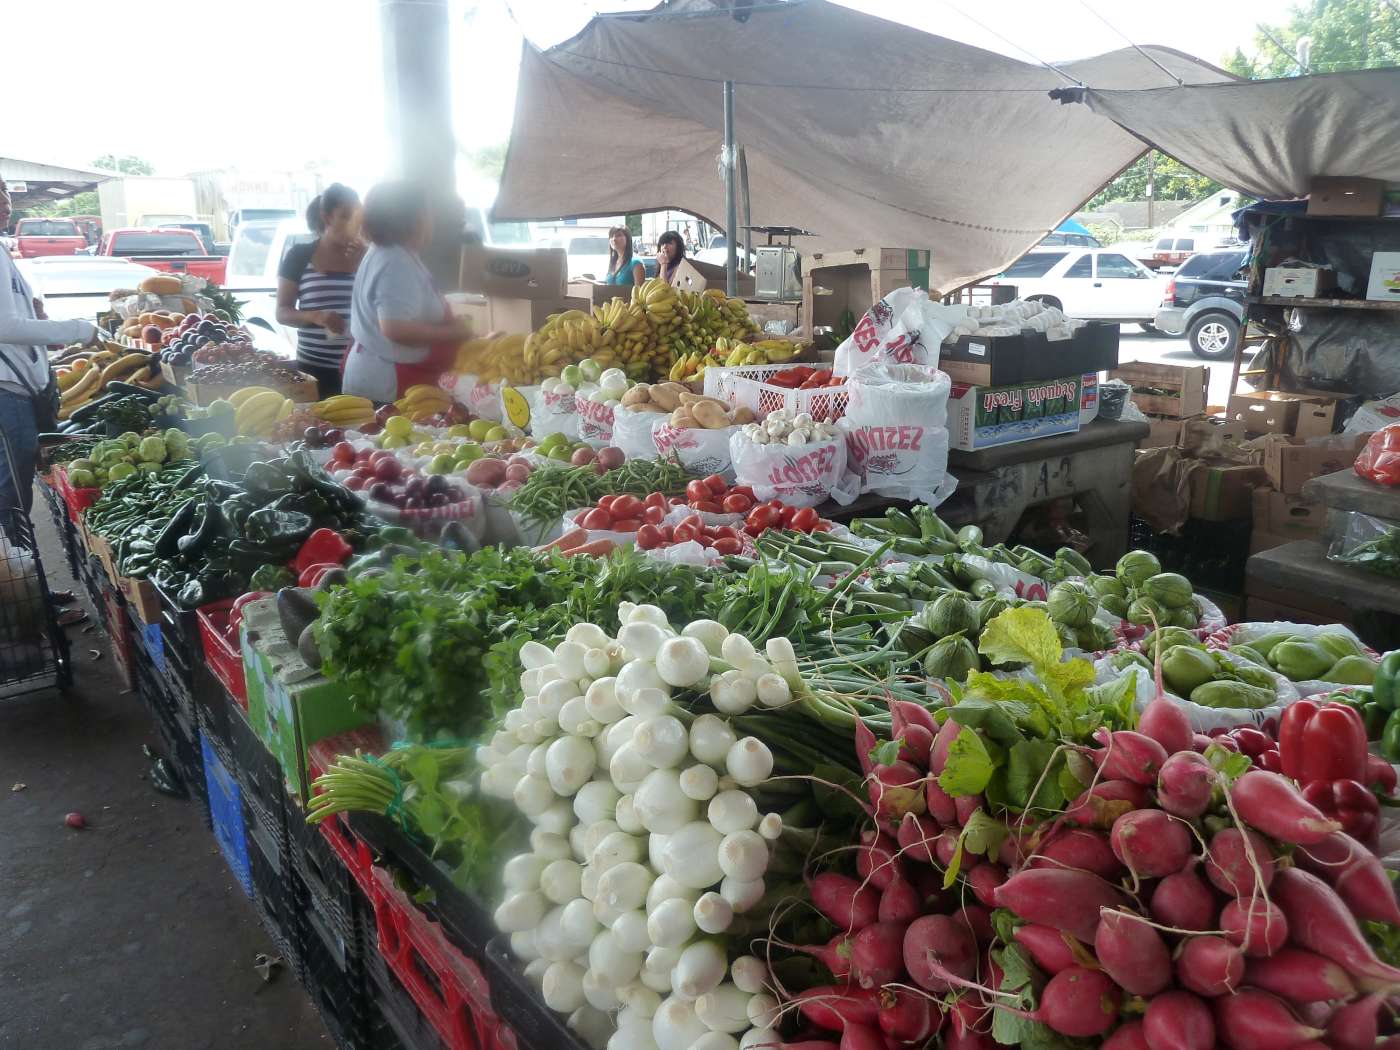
{"x": 1172, "y": 906}
{"x": 646, "y": 841}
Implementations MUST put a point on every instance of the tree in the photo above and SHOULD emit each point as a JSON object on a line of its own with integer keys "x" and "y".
{"x": 1172, "y": 181}
{"x": 488, "y": 161}
{"x": 126, "y": 165}
{"x": 1343, "y": 34}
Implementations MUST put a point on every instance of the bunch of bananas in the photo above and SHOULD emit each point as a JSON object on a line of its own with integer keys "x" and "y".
{"x": 493, "y": 360}
{"x": 733, "y": 354}
{"x": 615, "y": 335}
{"x": 84, "y": 377}
{"x": 258, "y": 409}
{"x": 421, "y": 402}
{"x": 344, "y": 411}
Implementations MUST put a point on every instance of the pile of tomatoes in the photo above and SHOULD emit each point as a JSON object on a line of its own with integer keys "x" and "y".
{"x": 716, "y": 496}
{"x": 723, "y": 539}
{"x": 624, "y": 513}
{"x": 776, "y": 514}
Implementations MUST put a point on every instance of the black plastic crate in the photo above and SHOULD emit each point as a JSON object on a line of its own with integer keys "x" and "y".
{"x": 333, "y": 896}
{"x": 342, "y": 996}
{"x": 517, "y": 1003}
{"x": 179, "y": 740}
{"x": 397, "y": 1007}
{"x": 180, "y": 628}
{"x": 260, "y": 780}
{"x": 211, "y": 705}
{"x": 275, "y": 893}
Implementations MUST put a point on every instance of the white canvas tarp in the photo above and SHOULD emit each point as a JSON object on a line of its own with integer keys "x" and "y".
{"x": 861, "y": 130}
{"x": 1268, "y": 138}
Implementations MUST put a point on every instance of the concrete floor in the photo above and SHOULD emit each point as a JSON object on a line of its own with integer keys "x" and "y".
{"x": 131, "y": 933}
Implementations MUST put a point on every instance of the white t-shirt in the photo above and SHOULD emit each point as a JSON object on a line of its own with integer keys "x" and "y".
{"x": 23, "y": 336}
{"x": 392, "y": 284}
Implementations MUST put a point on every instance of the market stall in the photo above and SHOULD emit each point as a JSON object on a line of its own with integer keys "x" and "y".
{"x": 551, "y": 707}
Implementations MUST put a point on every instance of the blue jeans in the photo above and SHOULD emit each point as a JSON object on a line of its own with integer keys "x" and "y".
{"x": 22, "y": 435}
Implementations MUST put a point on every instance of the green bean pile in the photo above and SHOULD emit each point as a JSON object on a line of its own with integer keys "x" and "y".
{"x": 551, "y": 490}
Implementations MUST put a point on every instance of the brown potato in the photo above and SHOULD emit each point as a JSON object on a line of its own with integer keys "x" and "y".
{"x": 743, "y": 414}
{"x": 709, "y": 415}
{"x": 662, "y": 394}
{"x": 638, "y": 395}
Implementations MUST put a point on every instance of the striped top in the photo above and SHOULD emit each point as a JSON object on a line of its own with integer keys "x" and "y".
{"x": 317, "y": 290}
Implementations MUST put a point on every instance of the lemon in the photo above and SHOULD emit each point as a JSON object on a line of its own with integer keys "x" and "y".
{"x": 399, "y": 426}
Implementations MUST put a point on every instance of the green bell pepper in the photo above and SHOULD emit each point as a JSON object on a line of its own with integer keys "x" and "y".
{"x": 1390, "y": 738}
{"x": 1384, "y": 688}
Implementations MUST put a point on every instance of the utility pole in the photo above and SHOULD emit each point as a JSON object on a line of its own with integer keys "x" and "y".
{"x": 731, "y": 202}
{"x": 1151, "y": 187}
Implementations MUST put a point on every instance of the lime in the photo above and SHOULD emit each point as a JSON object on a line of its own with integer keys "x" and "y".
{"x": 399, "y": 426}
{"x": 477, "y": 429}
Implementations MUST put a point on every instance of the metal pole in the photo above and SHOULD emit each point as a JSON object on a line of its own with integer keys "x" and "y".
{"x": 1151, "y": 187}
{"x": 731, "y": 204}
{"x": 745, "y": 213}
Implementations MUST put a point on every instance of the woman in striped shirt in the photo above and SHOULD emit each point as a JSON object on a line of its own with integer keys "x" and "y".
{"x": 315, "y": 281}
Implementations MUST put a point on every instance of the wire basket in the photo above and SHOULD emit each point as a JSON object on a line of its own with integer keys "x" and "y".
{"x": 33, "y": 647}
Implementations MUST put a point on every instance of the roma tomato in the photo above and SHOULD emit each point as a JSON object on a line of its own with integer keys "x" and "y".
{"x": 654, "y": 514}
{"x": 717, "y": 485}
{"x": 649, "y": 537}
{"x": 626, "y": 507}
{"x": 709, "y": 506}
{"x": 760, "y": 518}
{"x": 785, "y": 516}
{"x": 606, "y": 502}
{"x": 743, "y": 490}
{"x": 697, "y": 490}
{"x": 685, "y": 532}
{"x": 725, "y": 531}
{"x": 656, "y": 499}
{"x": 597, "y": 518}
{"x": 737, "y": 503}
{"x": 627, "y": 525}
{"x": 802, "y": 520}
{"x": 728, "y": 545}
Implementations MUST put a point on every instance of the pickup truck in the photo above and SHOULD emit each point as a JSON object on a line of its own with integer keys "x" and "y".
{"x": 171, "y": 250}
{"x": 35, "y": 238}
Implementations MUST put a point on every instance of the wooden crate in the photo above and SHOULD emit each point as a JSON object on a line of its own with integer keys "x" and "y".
{"x": 1185, "y": 387}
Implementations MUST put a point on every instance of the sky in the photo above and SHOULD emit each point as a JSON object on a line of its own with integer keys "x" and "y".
{"x": 277, "y": 85}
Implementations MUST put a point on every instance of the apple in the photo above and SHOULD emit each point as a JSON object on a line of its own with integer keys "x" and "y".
{"x": 388, "y": 469}
{"x": 354, "y": 482}
{"x": 380, "y": 492}
{"x": 343, "y": 452}
{"x": 151, "y": 335}
{"x": 362, "y": 455}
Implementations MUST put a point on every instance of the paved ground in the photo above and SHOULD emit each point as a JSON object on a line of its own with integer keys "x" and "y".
{"x": 132, "y": 933}
{"x": 1137, "y": 345}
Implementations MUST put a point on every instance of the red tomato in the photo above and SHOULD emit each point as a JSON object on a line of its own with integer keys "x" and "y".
{"x": 669, "y": 532}
{"x": 684, "y": 532}
{"x": 737, "y": 503}
{"x": 626, "y": 525}
{"x": 709, "y": 506}
{"x": 822, "y": 526}
{"x": 760, "y": 518}
{"x": 656, "y": 499}
{"x": 804, "y": 519}
{"x": 697, "y": 490}
{"x": 704, "y": 541}
{"x": 717, "y": 485}
{"x": 649, "y": 537}
{"x": 743, "y": 490}
{"x": 725, "y": 531}
{"x": 626, "y": 507}
{"x": 785, "y": 516}
{"x": 597, "y": 518}
{"x": 654, "y": 514}
{"x": 605, "y": 503}
{"x": 728, "y": 545}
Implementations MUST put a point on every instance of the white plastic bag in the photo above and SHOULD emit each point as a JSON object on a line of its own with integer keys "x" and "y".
{"x": 699, "y": 450}
{"x": 1245, "y": 633}
{"x": 1202, "y": 718}
{"x": 555, "y": 414}
{"x": 905, "y": 327}
{"x": 632, "y": 432}
{"x": 799, "y": 475}
{"x": 482, "y": 400}
{"x": 896, "y": 435}
{"x": 595, "y": 421}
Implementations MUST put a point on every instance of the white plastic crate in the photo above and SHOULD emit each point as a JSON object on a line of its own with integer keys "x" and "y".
{"x": 719, "y": 381}
{"x": 825, "y": 404}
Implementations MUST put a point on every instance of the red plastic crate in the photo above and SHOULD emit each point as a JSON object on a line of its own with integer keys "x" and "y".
{"x": 221, "y": 649}
{"x": 448, "y": 988}
{"x": 352, "y": 850}
{"x": 76, "y": 500}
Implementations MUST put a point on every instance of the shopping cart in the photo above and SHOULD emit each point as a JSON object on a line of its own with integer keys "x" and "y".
{"x": 33, "y": 648}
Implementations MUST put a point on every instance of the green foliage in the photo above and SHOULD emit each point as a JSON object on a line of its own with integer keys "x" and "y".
{"x": 125, "y": 164}
{"x": 1172, "y": 181}
{"x": 1344, "y": 34}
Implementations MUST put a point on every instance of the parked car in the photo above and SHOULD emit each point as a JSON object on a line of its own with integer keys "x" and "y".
{"x": 1096, "y": 284}
{"x": 1173, "y": 250}
{"x": 717, "y": 254}
{"x": 35, "y": 238}
{"x": 1205, "y": 300}
{"x": 253, "y": 260}
{"x": 204, "y": 232}
{"x": 75, "y": 286}
{"x": 1061, "y": 239}
{"x": 587, "y": 252}
{"x": 172, "y": 250}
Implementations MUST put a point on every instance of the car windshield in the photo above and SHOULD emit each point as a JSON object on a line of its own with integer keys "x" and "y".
{"x": 263, "y": 214}
{"x": 46, "y": 228}
{"x": 1213, "y": 266}
{"x": 1037, "y": 264}
{"x": 588, "y": 246}
{"x": 248, "y": 257}
{"x": 156, "y": 243}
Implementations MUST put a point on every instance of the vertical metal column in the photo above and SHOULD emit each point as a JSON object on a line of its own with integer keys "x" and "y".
{"x": 731, "y": 204}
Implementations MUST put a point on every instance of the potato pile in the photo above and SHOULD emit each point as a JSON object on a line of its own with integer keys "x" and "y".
{"x": 688, "y": 411}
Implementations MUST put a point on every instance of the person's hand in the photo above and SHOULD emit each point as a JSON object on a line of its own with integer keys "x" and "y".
{"x": 94, "y": 336}
{"x": 39, "y": 310}
{"x": 332, "y": 322}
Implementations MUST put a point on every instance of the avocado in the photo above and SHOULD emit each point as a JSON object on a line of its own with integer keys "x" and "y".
{"x": 307, "y": 647}
{"x": 297, "y": 610}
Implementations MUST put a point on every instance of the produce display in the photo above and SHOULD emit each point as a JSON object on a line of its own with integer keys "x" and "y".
{"x": 238, "y": 363}
{"x": 120, "y": 457}
{"x": 85, "y": 378}
{"x": 788, "y": 427}
{"x": 197, "y": 339}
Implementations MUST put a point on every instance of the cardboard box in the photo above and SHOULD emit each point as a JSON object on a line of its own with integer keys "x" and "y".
{"x": 1317, "y": 416}
{"x": 1384, "y": 285}
{"x": 302, "y": 392}
{"x": 1223, "y": 493}
{"x": 1299, "y": 281}
{"x": 512, "y": 316}
{"x": 984, "y": 417}
{"x": 598, "y": 294}
{"x": 1334, "y": 195}
{"x": 775, "y": 318}
{"x": 1291, "y": 464}
{"x": 692, "y": 275}
{"x": 142, "y": 598}
{"x": 1029, "y": 356}
{"x": 1204, "y": 433}
{"x": 513, "y": 273}
{"x": 1166, "y": 390}
{"x": 288, "y": 708}
{"x": 1266, "y": 411}
{"x": 1161, "y": 433}
{"x": 834, "y": 282}
{"x": 1281, "y": 514}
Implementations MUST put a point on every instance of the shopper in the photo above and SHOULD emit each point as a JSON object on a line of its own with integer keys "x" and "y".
{"x": 28, "y": 390}
{"x": 401, "y": 329}
{"x": 670, "y": 250}
{"x": 315, "y": 282}
{"x": 624, "y": 268}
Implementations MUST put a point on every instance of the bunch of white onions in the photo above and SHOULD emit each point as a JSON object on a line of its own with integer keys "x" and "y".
{"x": 646, "y": 843}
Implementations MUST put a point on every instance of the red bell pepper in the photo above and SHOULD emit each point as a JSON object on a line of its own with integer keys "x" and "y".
{"x": 323, "y": 545}
{"x": 816, "y": 379}
{"x": 311, "y": 575}
{"x": 1380, "y": 775}
{"x": 1322, "y": 742}
{"x": 1351, "y": 803}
